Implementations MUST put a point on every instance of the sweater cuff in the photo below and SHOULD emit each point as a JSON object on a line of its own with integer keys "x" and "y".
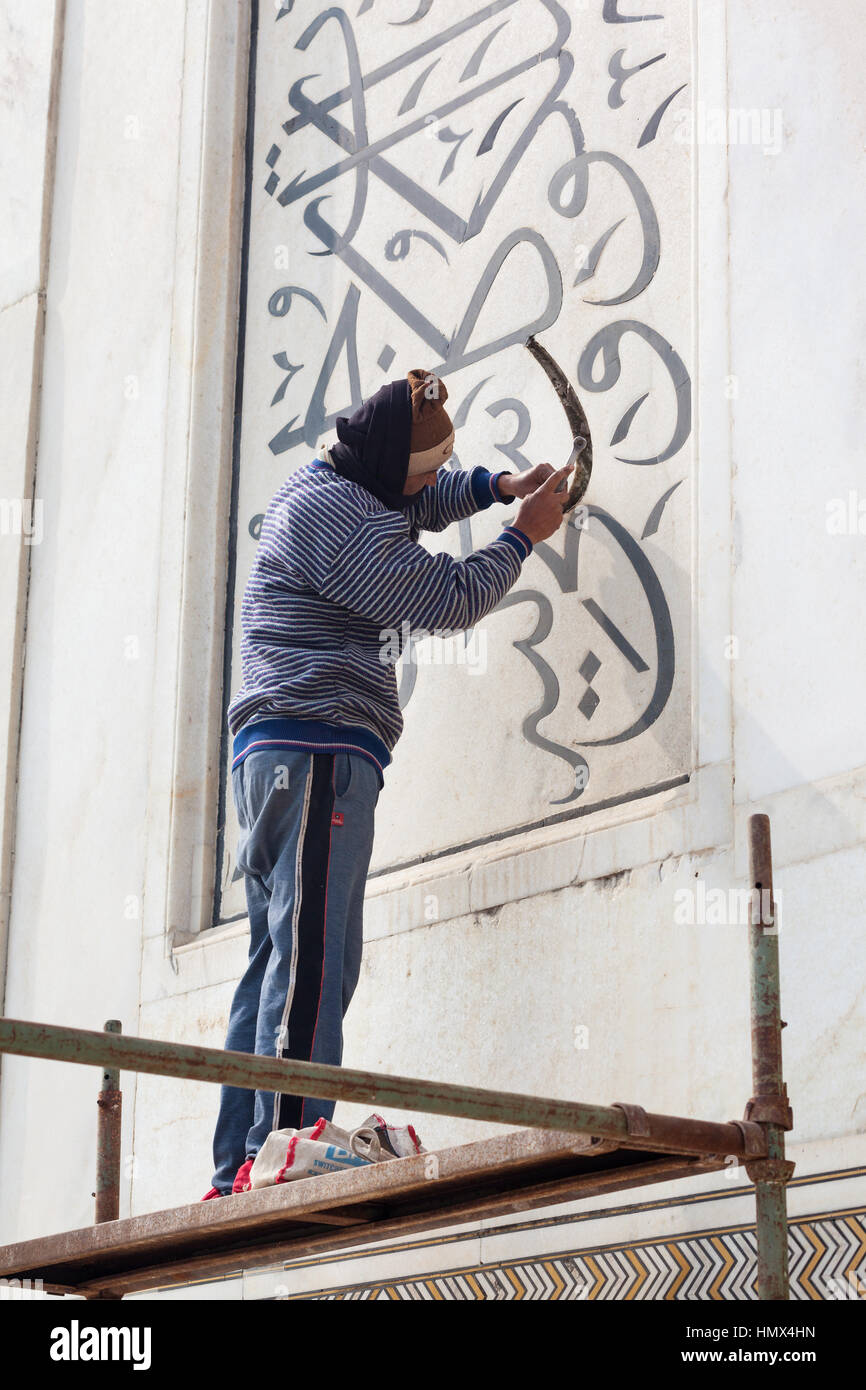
{"x": 484, "y": 488}
{"x": 518, "y": 539}
{"x": 494, "y": 484}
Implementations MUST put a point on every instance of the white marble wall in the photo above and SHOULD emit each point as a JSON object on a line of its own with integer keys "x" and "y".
{"x": 88, "y": 681}
{"x": 518, "y": 189}
{"x": 534, "y": 937}
{"x": 28, "y": 68}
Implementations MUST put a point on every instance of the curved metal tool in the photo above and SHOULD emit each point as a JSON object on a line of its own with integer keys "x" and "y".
{"x": 581, "y": 454}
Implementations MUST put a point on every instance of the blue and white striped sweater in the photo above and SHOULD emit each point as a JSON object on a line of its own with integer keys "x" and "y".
{"x": 334, "y": 569}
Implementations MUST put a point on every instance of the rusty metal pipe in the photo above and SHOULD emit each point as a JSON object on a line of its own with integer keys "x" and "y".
{"x": 764, "y": 940}
{"x": 659, "y": 1133}
{"x": 109, "y": 1103}
{"x": 768, "y": 1106}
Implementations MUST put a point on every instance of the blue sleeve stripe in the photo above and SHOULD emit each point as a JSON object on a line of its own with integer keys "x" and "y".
{"x": 482, "y": 488}
{"x": 518, "y": 539}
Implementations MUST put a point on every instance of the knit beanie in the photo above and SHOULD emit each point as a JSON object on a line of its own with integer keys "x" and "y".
{"x": 431, "y": 423}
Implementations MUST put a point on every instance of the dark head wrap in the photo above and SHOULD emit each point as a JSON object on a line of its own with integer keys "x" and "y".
{"x": 373, "y": 444}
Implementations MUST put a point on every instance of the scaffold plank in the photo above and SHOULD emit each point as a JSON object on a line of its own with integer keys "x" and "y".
{"x": 490, "y": 1177}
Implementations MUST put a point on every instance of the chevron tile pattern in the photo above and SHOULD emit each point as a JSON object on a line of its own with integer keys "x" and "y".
{"x": 827, "y": 1261}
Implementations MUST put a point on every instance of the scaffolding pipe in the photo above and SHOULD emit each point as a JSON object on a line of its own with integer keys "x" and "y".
{"x": 630, "y": 1125}
{"x": 108, "y": 1117}
{"x": 769, "y": 1104}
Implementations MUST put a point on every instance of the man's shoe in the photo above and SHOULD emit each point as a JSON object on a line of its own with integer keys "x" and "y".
{"x": 213, "y": 1193}
{"x": 242, "y": 1180}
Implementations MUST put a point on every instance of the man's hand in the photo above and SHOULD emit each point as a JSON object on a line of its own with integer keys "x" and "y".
{"x": 540, "y": 515}
{"x": 522, "y": 484}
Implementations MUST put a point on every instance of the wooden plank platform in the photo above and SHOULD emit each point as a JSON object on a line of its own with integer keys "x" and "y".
{"x": 491, "y": 1177}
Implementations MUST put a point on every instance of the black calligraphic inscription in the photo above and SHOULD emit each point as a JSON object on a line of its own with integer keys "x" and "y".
{"x": 590, "y": 265}
{"x": 611, "y": 15}
{"x": 421, "y": 50}
{"x": 665, "y": 663}
{"x": 410, "y": 100}
{"x": 565, "y": 569}
{"x": 620, "y": 75}
{"x": 455, "y": 353}
{"x": 550, "y": 691}
{"x": 511, "y": 447}
{"x": 653, "y": 521}
{"x": 616, "y": 635}
{"x": 289, "y": 368}
{"x": 451, "y": 137}
{"x": 459, "y": 354}
{"x": 576, "y": 172}
{"x": 398, "y": 246}
{"x": 422, "y": 10}
{"x": 473, "y": 67}
{"x": 458, "y": 419}
{"x": 606, "y": 343}
{"x": 280, "y": 301}
{"x": 457, "y": 209}
{"x": 489, "y": 137}
{"x": 590, "y": 699}
{"x": 625, "y": 423}
{"x": 370, "y": 156}
{"x": 650, "y": 130}
{"x": 339, "y": 134}
{"x": 316, "y": 421}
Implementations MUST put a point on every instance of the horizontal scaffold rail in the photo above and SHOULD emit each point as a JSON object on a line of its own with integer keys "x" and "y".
{"x": 658, "y": 1133}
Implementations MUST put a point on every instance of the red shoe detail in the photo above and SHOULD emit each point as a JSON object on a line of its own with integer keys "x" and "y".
{"x": 242, "y": 1180}
{"x": 213, "y": 1193}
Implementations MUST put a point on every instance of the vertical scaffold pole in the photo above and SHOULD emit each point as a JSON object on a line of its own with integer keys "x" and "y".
{"x": 109, "y": 1102}
{"x": 769, "y": 1104}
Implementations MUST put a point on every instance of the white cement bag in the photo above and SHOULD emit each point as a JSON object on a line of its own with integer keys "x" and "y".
{"x": 396, "y": 1141}
{"x": 304, "y": 1153}
{"x": 325, "y": 1148}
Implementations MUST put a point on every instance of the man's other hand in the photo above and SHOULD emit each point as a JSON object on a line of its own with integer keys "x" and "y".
{"x": 540, "y": 514}
{"x": 522, "y": 484}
